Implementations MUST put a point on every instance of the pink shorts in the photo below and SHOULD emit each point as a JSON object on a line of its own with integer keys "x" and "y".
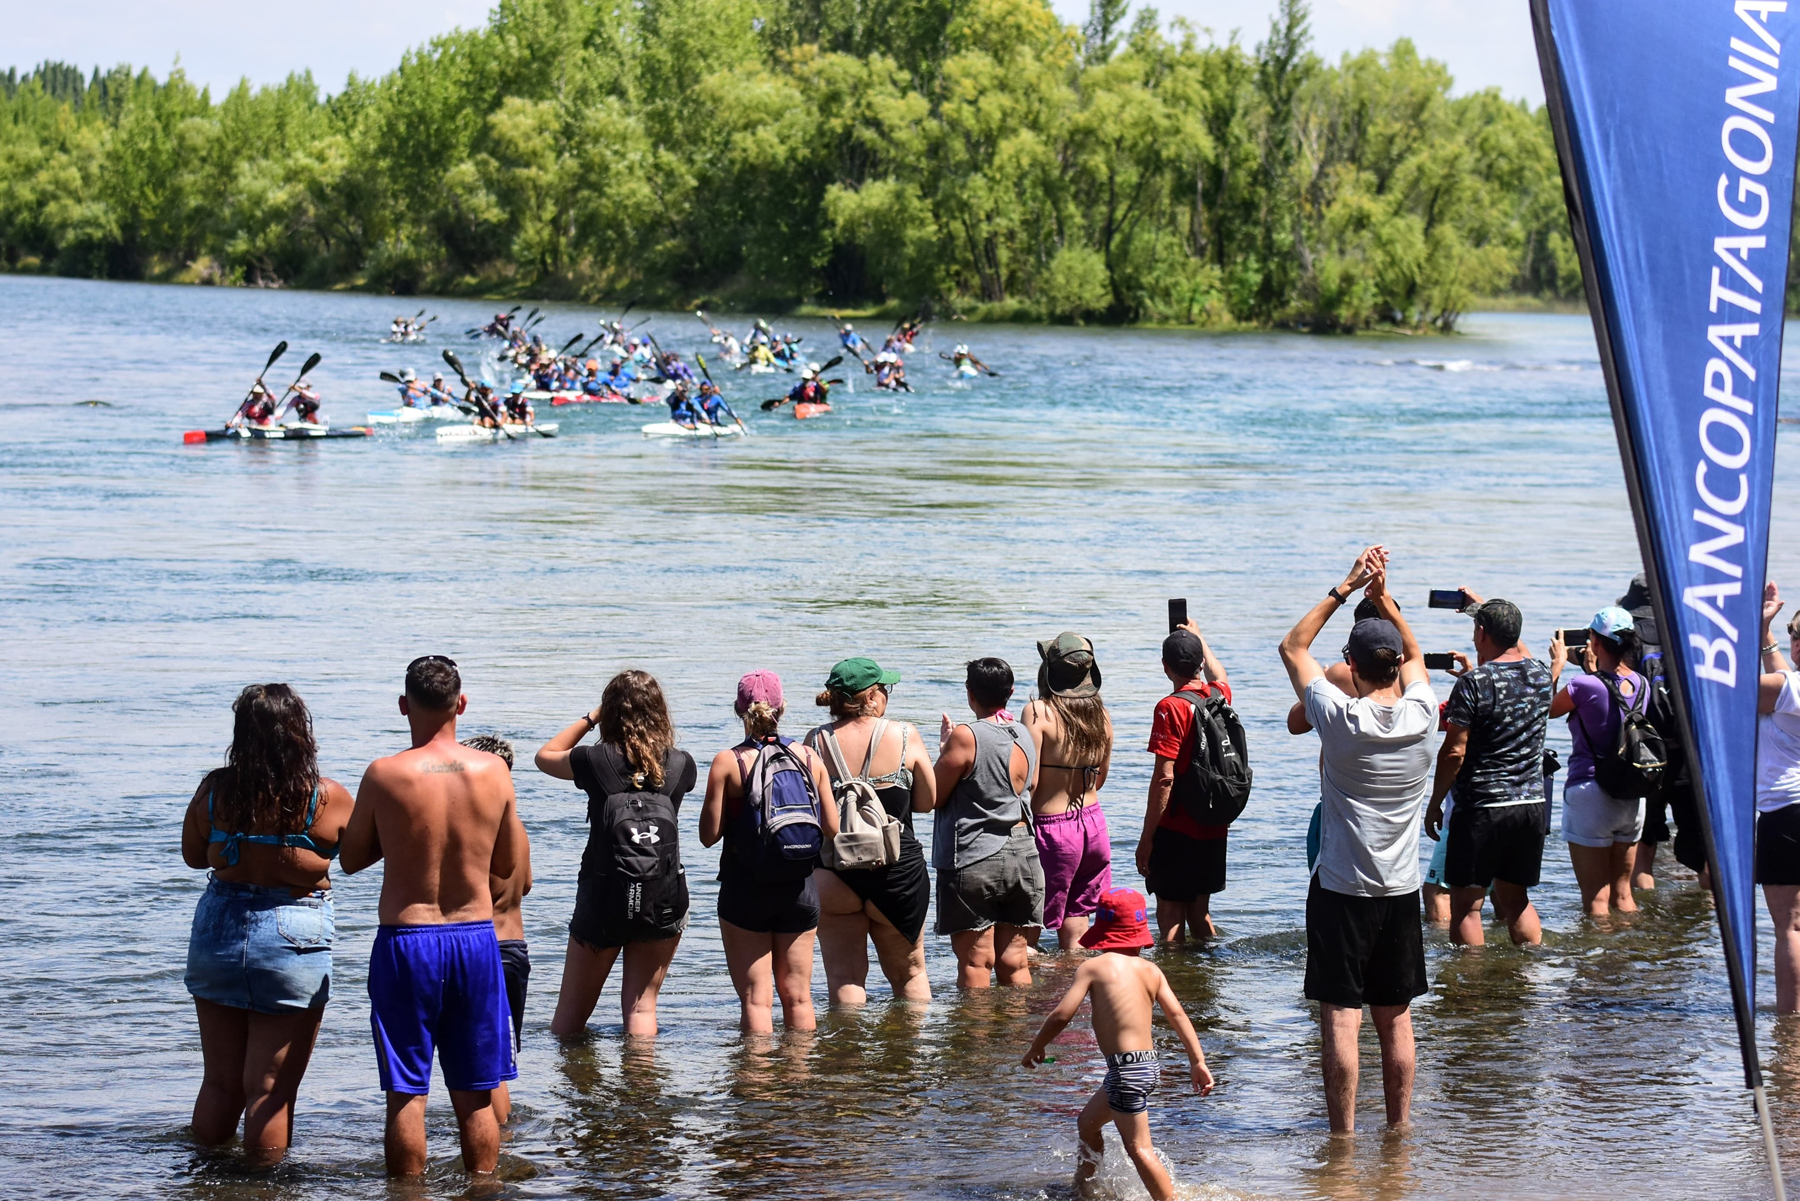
{"x": 1077, "y": 857}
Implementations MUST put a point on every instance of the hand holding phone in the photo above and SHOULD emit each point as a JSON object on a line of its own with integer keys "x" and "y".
{"x": 1574, "y": 639}
{"x": 1448, "y": 598}
{"x": 1437, "y": 662}
{"x": 1178, "y": 613}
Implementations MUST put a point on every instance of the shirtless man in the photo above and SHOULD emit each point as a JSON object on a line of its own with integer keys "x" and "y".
{"x": 1123, "y": 988}
{"x": 442, "y": 815}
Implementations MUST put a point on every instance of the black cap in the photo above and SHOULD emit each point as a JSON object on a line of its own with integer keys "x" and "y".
{"x": 1636, "y": 602}
{"x": 1183, "y": 653}
{"x": 1370, "y": 635}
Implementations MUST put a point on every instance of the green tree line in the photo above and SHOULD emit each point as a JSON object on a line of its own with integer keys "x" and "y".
{"x": 979, "y": 155}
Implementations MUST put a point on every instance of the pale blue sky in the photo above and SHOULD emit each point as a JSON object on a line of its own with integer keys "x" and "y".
{"x": 1487, "y": 43}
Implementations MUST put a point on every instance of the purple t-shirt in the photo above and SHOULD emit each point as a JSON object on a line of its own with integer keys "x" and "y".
{"x": 1594, "y": 715}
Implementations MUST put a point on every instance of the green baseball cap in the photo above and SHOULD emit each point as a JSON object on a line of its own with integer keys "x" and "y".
{"x": 851, "y": 676}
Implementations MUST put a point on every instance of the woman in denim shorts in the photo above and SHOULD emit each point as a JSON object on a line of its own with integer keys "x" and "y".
{"x": 259, "y": 958}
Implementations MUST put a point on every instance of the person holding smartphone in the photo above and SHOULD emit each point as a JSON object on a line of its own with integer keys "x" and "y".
{"x": 1493, "y": 754}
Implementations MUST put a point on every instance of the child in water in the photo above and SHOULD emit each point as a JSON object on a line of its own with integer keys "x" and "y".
{"x": 509, "y": 923}
{"x": 1123, "y": 988}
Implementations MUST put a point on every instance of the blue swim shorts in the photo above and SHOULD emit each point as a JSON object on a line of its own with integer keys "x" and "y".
{"x": 261, "y": 949}
{"x": 440, "y": 987}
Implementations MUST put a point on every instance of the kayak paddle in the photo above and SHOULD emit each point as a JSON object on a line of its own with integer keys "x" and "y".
{"x": 482, "y": 406}
{"x": 280, "y": 349}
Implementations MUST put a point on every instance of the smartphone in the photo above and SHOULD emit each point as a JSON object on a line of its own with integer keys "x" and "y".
{"x": 1177, "y": 613}
{"x": 1443, "y": 662}
{"x": 1575, "y": 639}
{"x": 1448, "y": 598}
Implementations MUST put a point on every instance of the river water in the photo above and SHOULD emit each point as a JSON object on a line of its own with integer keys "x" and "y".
{"x": 143, "y": 582}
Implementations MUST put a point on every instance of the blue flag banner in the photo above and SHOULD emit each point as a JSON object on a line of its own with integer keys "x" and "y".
{"x": 1676, "y": 127}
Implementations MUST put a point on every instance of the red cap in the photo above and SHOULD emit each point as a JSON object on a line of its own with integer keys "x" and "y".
{"x": 1121, "y": 923}
{"x": 764, "y": 686}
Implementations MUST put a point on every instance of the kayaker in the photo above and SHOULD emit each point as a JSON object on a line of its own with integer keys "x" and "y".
{"x": 518, "y": 409}
{"x": 713, "y": 405}
{"x": 890, "y": 373}
{"x": 961, "y": 355}
{"x": 440, "y": 390}
{"x": 682, "y": 410}
{"x": 761, "y": 355}
{"x": 411, "y": 392}
{"x": 258, "y": 409}
{"x": 620, "y": 377}
{"x": 853, "y": 341}
{"x": 811, "y": 389}
{"x": 306, "y": 403}
{"x": 481, "y": 395}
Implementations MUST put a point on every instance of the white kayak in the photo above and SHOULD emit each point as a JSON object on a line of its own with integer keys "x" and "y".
{"x": 967, "y": 370}
{"x": 407, "y": 416}
{"x": 483, "y": 433}
{"x": 669, "y": 429}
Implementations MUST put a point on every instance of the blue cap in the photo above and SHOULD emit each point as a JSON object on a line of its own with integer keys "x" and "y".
{"x": 486, "y": 382}
{"x": 1611, "y": 621}
{"x": 518, "y": 387}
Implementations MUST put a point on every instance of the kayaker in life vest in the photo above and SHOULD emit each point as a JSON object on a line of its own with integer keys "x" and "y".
{"x": 761, "y": 356}
{"x": 481, "y": 395}
{"x": 500, "y": 326}
{"x": 412, "y": 393}
{"x": 674, "y": 368}
{"x": 682, "y": 410}
{"x": 853, "y": 341}
{"x": 439, "y": 391}
{"x": 518, "y": 409}
{"x": 306, "y": 402}
{"x": 713, "y": 405}
{"x": 890, "y": 373}
{"x": 258, "y": 407}
{"x": 811, "y": 389}
{"x": 961, "y": 355}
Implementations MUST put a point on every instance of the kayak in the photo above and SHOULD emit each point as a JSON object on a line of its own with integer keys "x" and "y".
{"x": 669, "y": 429}
{"x": 804, "y": 409}
{"x": 483, "y": 433}
{"x": 408, "y": 416}
{"x": 967, "y": 369}
{"x": 275, "y": 433}
{"x": 577, "y": 398}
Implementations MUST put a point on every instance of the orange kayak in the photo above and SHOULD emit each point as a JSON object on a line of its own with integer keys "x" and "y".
{"x": 803, "y": 410}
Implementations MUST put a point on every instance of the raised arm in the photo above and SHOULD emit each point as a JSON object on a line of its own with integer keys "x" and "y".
{"x": 1774, "y": 664}
{"x": 1296, "y": 648}
{"x": 1412, "y": 663}
{"x": 1060, "y": 1017}
{"x": 553, "y": 757}
{"x": 1209, "y": 662}
{"x": 1178, "y": 1018}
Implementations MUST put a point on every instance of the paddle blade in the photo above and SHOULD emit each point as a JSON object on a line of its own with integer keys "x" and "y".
{"x": 833, "y": 362}
{"x": 391, "y": 378}
{"x": 772, "y": 402}
{"x": 280, "y": 349}
{"x": 569, "y": 343}
{"x": 455, "y": 365}
{"x": 514, "y": 309}
{"x": 311, "y": 362}
{"x": 529, "y": 315}
{"x": 418, "y": 314}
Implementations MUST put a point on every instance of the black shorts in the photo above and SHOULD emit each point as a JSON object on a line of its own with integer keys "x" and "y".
{"x": 1363, "y": 950}
{"x": 515, "y": 961}
{"x": 1656, "y": 818}
{"x": 1778, "y": 846}
{"x": 784, "y": 907}
{"x": 1184, "y": 869}
{"x": 1484, "y": 845}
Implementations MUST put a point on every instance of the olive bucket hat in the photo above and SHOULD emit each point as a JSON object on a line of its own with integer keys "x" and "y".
{"x": 1068, "y": 668}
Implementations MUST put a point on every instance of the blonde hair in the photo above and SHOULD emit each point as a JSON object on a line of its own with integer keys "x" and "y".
{"x": 846, "y": 705}
{"x": 761, "y": 719}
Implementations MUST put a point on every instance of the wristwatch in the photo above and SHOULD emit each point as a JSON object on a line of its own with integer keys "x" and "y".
{"x": 1333, "y": 594}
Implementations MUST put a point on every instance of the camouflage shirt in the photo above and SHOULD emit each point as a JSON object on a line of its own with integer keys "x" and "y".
{"x": 1505, "y": 707}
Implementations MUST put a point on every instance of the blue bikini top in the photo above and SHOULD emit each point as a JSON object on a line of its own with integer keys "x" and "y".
{"x": 303, "y": 840}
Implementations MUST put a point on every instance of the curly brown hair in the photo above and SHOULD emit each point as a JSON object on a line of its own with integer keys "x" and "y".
{"x": 634, "y": 719}
{"x": 272, "y": 766}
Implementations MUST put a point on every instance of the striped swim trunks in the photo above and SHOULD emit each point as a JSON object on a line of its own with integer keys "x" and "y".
{"x": 1131, "y": 1076}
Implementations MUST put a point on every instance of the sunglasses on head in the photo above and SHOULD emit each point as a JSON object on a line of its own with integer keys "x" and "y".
{"x": 444, "y": 659}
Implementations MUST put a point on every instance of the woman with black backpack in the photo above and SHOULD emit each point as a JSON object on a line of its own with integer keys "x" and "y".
{"x": 767, "y": 797}
{"x": 1601, "y": 826}
{"x": 631, "y": 895}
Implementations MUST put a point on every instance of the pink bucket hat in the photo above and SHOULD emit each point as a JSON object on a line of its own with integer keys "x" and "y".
{"x": 764, "y": 686}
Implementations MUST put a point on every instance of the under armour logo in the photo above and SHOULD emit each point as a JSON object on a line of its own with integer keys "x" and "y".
{"x": 650, "y": 835}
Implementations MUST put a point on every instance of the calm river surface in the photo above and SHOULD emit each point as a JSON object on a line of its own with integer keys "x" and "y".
{"x": 143, "y": 582}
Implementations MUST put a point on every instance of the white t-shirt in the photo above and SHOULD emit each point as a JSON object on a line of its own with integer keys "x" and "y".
{"x": 1778, "y": 749}
{"x": 1374, "y": 777}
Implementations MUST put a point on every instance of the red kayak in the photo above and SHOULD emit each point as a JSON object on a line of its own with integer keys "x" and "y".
{"x": 605, "y": 398}
{"x": 804, "y": 409}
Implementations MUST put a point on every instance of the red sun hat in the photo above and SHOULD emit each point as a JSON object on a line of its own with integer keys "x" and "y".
{"x": 1122, "y": 922}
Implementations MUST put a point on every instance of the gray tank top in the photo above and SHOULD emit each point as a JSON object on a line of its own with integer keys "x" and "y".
{"x": 982, "y": 809}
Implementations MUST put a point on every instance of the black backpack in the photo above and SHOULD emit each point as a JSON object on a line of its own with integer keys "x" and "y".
{"x": 1662, "y": 715}
{"x": 634, "y": 852}
{"x": 1633, "y": 766}
{"x": 1215, "y": 785}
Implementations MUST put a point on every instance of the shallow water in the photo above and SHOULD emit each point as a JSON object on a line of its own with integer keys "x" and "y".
{"x": 143, "y": 582}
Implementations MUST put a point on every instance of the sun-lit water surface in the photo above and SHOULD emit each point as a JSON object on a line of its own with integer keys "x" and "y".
{"x": 142, "y": 582}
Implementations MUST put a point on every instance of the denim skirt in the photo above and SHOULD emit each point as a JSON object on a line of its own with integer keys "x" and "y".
{"x": 261, "y": 949}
